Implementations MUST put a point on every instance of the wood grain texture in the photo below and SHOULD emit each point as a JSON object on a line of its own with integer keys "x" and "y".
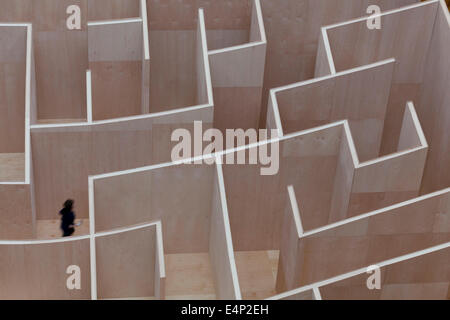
{"x": 175, "y": 195}
{"x": 433, "y": 107}
{"x": 64, "y": 157}
{"x": 116, "y": 63}
{"x": 12, "y": 88}
{"x": 126, "y": 264}
{"x": 355, "y": 45}
{"x": 293, "y": 28}
{"x": 425, "y": 277}
{"x": 360, "y": 97}
{"x": 38, "y": 271}
{"x": 385, "y": 235}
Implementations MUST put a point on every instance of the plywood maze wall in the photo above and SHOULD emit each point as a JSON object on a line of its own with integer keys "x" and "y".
{"x": 360, "y": 119}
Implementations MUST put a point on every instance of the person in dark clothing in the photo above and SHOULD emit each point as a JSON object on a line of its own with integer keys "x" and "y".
{"x": 67, "y": 219}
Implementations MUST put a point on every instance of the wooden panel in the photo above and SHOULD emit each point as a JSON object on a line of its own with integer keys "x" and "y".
{"x": 175, "y": 195}
{"x": 112, "y": 9}
{"x": 126, "y": 264}
{"x": 219, "y": 240}
{"x": 16, "y": 219}
{"x": 424, "y": 277}
{"x": 433, "y": 105}
{"x": 360, "y": 97}
{"x": 116, "y": 62}
{"x": 354, "y": 45}
{"x": 182, "y": 14}
{"x": 38, "y": 271}
{"x": 343, "y": 183}
{"x": 12, "y": 89}
{"x": 387, "y": 182}
{"x": 64, "y": 157}
{"x": 308, "y": 162}
{"x": 386, "y": 235}
{"x": 293, "y": 28}
{"x": 61, "y": 60}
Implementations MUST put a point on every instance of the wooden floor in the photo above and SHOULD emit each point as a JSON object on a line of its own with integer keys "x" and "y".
{"x": 189, "y": 276}
{"x": 257, "y": 272}
{"x": 12, "y": 167}
{"x": 50, "y": 229}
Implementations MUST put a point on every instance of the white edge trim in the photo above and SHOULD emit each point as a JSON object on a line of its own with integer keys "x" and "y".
{"x": 326, "y": 43}
{"x": 28, "y": 98}
{"x": 417, "y": 125}
{"x": 229, "y": 239}
{"x": 295, "y": 211}
{"x": 262, "y": 29}
{"x": 201, "y": 19}
{"x": 160, "y": 244}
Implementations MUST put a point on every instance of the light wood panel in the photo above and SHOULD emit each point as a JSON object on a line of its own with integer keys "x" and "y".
{"x": 422, "y": 278}
{"x": 179, "y": 196}
{"x": 38, "y": 271}
{"x": 126, "y": 264}
{"x": 359, "y": 96}
{"x": 13, "y": 41}
{"x": 64, "y": 157}
{"x": 112, "y": 9}
{"x": 373, "y": 238}
{"x": 61, "y": 58}
{"x": 293, "y": 28}
{"x": 354, "y": 44}
{"x": 117, "y": 63}
{"x": 16, "y": 219}
{"x": 433, "y": 105}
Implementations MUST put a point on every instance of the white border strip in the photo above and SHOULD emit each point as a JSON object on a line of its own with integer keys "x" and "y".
{"x": 89, "y": 95}
{"x": 276, "y": 112}
{"x": 113, "y": 21}
{"x": 229, "y": 239}
{"x": 201, "y": 17}
{"x": 123, "y": 119}
{"x": 326, "y": 43}
{"x": 295, "y": 211}
{"x": 160, "y": 244}
{"x": 331, "y": 76}
{"x": 417, "y": 125}
{"x": 376, "y": 212}
{"x": 385, "y": 13}
{"x": 143, "y": 8}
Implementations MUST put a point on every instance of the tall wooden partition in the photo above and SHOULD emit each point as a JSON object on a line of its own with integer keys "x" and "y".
{"x": 313, "y": 256}
{"x": 293, "y": 31}
{"x": 416, "y": 77}
{"x": 237, "y": 77}
{"x": 357, "y": 95}
{"x": 116, "y": 60}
